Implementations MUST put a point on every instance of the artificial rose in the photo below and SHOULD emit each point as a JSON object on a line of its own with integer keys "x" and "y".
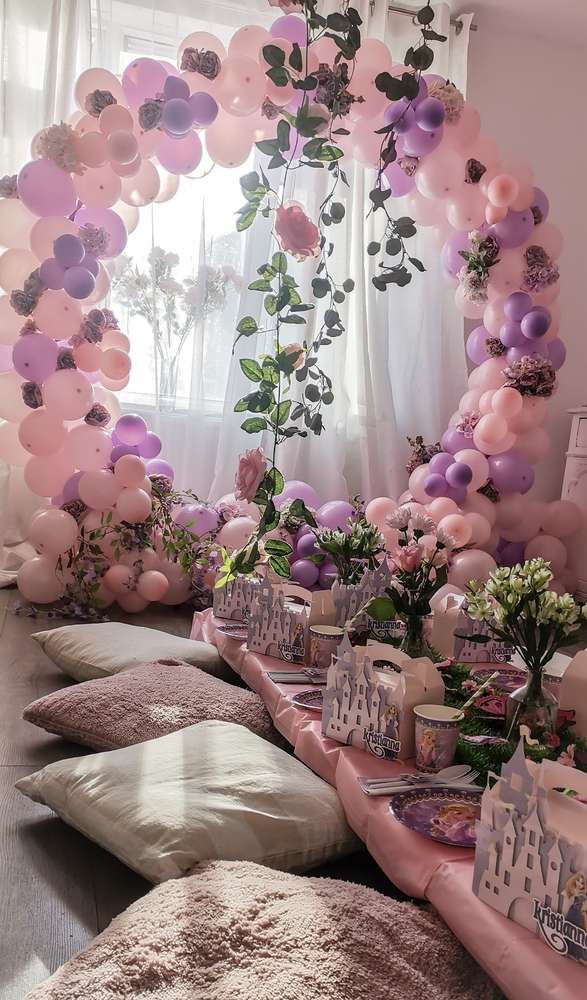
{"x": 408, "y": 557}
{"x": 296, "y": 349}
{"x": 296, "y": 233}
{"x": 287, "y": 6}
{"x": 250, "y": 472}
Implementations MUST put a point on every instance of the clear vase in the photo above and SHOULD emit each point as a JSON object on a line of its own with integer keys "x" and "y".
{"x": 533, "y": 706}
{"x": 414, "y": 642}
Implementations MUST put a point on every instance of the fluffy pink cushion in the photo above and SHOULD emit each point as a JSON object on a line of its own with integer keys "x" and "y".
{"x": 240, "y": 931}
{"x": 144, "y": 703}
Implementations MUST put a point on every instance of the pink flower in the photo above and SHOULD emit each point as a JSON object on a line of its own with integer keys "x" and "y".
{"x": 408, "y": 558}
{"x": 567, "y": 757}
{"x": 296, "y": 233}
{"x": 250, "y": 472}
{"x": 287, "y": 6}
{"x": 296, "y": 349}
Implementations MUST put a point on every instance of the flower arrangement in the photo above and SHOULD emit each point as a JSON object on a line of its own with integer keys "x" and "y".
{"x": 354, "y": 551}
{"x": 474, "y": 277}
{"x": 531, "y": 376}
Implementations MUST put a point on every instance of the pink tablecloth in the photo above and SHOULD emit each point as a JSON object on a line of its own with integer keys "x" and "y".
{"x": 522, "y": 965}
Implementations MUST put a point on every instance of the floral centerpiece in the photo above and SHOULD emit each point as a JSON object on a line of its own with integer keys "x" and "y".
{"x": 420, "y": 567}
{"x": 353, "y": 551}
{"x": 518, "y": 607}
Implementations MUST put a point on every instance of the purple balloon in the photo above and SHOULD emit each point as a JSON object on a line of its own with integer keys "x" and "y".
{"x": 435, "y": 485}
{"x": 143, "y": 78}
{"x": 450, "y": 253}
{"x": 404, "y": 122}
{"x": 92, "y": 264}
{"x": 46, "y": 189}
{"x": 517, "y": 305}
{"x": 304, "y": 572}
{"x": 536, "y": 322}
{"x": 34, "y": 356}
{"x": 198, "y": 519}
{"x": 122, "y": 449}
{"x": 540, "y": 206}
{"x": 400, "y": 183}
{"x": 429, "y": 113}
{"x": 177, "y": 117}
{"x": 453, "y": 441}
{"x": 328, "y": 573}
{"x": 511, "y": 334}
{"x": 459, "y": 474}
{"x": 456, "y": 493}
{"x": 204, "y": 109}
{"x": 476, "y": 345}
{"x": 131, "y": 429}
{"x": 291, "y": 27}
{"x": 394, "y": 111}
{"x": 71, "y": 489}
{"x": 105, "y": 218}
{"x": 68, "y": 250}
{"x": 511, "y": 553}
{"x": 417, "y": 142}
{"x": 295, "y": 489}
{"x": 176, "y": 87}
{"x": 51, "y": 273}
{"x": 78, "y": 282}
{"x": 511, "y": 472}
{"x": 440, "y": 462}
{"x": 514, "y": 229}
{"x": 538, "y": 349}
{"x": 150, "y": 446}
{"x": 334, "y": 514}
{"x": 157, "y": 467}
{"x": 557, "y": 353}
{"x": 306, "y": 546}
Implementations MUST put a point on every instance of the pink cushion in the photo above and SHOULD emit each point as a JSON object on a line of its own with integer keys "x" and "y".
{"x": 144, "y": 703}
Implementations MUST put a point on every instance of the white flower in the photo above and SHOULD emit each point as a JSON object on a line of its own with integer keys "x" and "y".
{"x": 423, "y": 523}
{"x": 445, "y": 539}
{"x": 399, "y": 519}
{"x": 172, "y": 260}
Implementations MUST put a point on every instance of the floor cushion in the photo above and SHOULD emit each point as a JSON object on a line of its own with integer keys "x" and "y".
{"x": 86, "y": 652}
{"x": 212, "y": 791}
{"x": 244, "y": 932}
{"x": 144, "y": 703}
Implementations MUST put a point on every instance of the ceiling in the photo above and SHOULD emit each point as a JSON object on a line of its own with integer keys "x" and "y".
{"x": 560, "y": 20}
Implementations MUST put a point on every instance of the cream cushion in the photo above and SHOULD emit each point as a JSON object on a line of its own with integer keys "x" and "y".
{"x": 211, "y": 791}
{"x": 86, "y": 652}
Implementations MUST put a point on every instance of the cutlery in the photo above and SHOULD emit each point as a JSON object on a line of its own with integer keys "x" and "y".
{"x": 445, "y": 774}
{"x": 391, "y": 789}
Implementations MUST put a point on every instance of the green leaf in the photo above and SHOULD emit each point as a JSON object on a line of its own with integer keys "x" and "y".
{"x": 293, "y": 318}
{"x": 279, "y": 263}
{"x": 338, "y": 22}
{"x": 380, "y": 608}
{"x": 275, "y": 481}
{"x": 337, "y": 211}
{"x": 276, "y": 161}
{"x": 348, "y": 285}
{"x": 270, "y": 304}
{"x": 405, "y": 227}
{"x": 482, "y": 639}
{"x": 258, "y": 402}
{"x": 283, "y": 135}
{"x": 295, "y": 59}
{"x": 312, "y": 148}
{"x": 331, "y": 318}
{"x": 393, "y": 246}
{"x": 247, "y": 326}
{"x": 373, "y": 248}
{"x": 273, "y": 55}
{"x": 260, "y": 285}
{"x": 281, "y": 412}
{"x": 421, "y": 58}
{"x": 279, "y": 565}
{"x": 278, "y": 75}
{"x": 328, "y": 398}
{"x": 328, "y": 154}
{"x": 299, "y": 511}
{"x": 252, "y": 425}
{"x": 417, "y": 264}
{"x": 389, "y": 85}
{"x": 278, "y": 548}
{"x": 312, "y": 393}
{"x": 425, "y": 15}
{"x": 308, "y": 125}
{"x": 246, "y": 220}
{"x": 250, "y": 182}
{"x": 251, "y": 369}
{"x": 267, "y": 146}
{"x": 320, "y": 287}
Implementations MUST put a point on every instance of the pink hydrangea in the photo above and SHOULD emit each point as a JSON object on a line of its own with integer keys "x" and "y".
{"x": 251, "y": 469}
{"x": 296, "y": 233}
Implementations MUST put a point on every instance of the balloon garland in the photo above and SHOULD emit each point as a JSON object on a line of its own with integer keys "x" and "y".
{"x": 69, "y": 210}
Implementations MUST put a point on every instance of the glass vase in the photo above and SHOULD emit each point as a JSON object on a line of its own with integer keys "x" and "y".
{"x": 414, "y": 642}
{"x": 533, "y": 706}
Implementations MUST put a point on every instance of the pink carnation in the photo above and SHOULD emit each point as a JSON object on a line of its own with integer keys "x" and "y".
{"x": 296, "y": 233}
{"x": 250, "y": 472}
{"x": 408, "y": 557}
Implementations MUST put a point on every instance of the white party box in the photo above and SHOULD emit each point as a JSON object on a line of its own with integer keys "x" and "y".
{"x": 370, "y": 696}
{"x": 280, "y": 616}
{"x": 451, "y": 624}
{"x": 531, "y": 852}
{"x": 348, "y": 599}
{"x": 233, "y": 601}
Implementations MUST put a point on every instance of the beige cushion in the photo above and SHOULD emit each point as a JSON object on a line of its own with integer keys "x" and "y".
{"x": 214, "y": 790}
{"x": 242, "y": 932}
{"x": 145, "y": 703}
{"x": 86, "y": 652}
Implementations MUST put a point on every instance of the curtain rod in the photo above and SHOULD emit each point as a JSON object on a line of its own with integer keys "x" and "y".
{"x": 393, "y": 9}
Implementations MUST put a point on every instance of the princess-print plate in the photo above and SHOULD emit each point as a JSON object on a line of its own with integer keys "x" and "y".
{"x": 493, "y": 704}
{"x": 443, "y": 814}
{"x": 508, "y": 678}
{"x": 311, "y": 700}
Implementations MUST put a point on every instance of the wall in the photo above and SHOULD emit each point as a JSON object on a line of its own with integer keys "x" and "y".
{"x": 531, "y": 95}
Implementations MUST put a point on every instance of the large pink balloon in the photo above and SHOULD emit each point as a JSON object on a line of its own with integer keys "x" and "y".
{"x": 45, "y": 189}
{"x": 228, "y": 141}
{"x": 88, "y": 448}
{"x": 38, "y": 582}
{"x": 236, "y": 533}
{"x": 248, "y": 40}
{"x": 99, "y": 489}
{"x": 46, "y": 475}
{"x": 379, "y": 509}
{"x": 179, "y": 155}
{"x": 68, "y": 394}
{"x": 549, "y": 548}
{"x": 53, "y": 531}
{"x": 99, "y": 187}
{"x": 15, "y": 265}
{"x": 97, "y": 79}
{"x": 133, "y": 505}
{"x": 152, "y": 585}
{"x": 46, "y": 230}
{"x": 458, "y": 527}
{"x": 143, "y": 188}
{"x": 241, "y": 85}
{"x": 473, "y": 564}
{"x": 106, "y": 219}
{"x": 562, "y": 519}
{"x": 478, "y": 465}
{"x": 41, "y": 432}
{"x": 58, "y": 315}
{"x": 142, "y": 79}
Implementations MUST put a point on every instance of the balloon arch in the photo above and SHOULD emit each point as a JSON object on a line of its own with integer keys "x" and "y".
{"x": 68, "y": 211}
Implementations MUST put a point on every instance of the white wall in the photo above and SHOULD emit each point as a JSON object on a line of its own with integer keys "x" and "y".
{"x": 531, "y": 95}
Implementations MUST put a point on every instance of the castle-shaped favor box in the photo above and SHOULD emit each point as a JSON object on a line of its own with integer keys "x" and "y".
{"x": 451, "y": 622}
{"x": 348, "y": 599}
{"x": 280, "y": 617}
{"x": 370, "y": 696}
{"x": 234, "y": 600}
{"x": 531, "y": 852}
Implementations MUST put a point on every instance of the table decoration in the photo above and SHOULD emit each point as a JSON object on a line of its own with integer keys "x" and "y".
{"x": 450, "y": 625}
{"x": 280, "y": 616}
{"x": 313, "y": 700}
{"x": 437, "y": 732}
{"x": 443, "y": 814}
{"x": 234, "y": 600}
{"x": 324, "y": 640}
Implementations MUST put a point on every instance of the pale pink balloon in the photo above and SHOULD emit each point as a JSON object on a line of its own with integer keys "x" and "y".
{"x": 16, "y": 265}
{"x": 442, "y": 507}
{"x": 170, "y": 182}
{"x": 10, "y": 322}
{"x": 53, "y": 531}
{"x": 506, "y": 275}
{"x": 87, "y": 356}
{"x": 562, "y": 518}
{"x": 549, "y": 548}
{"x": 16, "y": 223}
{"x": 122, "y": 145}
{"x": 129, "y": 471}
{"x": 472, "y": 310}
{"x": 378, "y": 509}
{"x": 12, "y": 405}
{"x": 524, "y": 198}
{"x": 531, "y": 415}
{"x": 92, "y": 149}
{"x": 88, "y": 447}
{"x": 42, "y": 433}
{"x": 485, "y": 401}
{"x": 180, "y": 586}
{"x": 416, "y": 484}
{"x": 128, "y": 213}
{"x": 125, "y": 170}
{"x": 366, "y": 144}
{"x": 529, "y": 524}
{"x": 424, "y": 211}
{"x": 236, "y": 533}
{"x": 99, "y": 187}
{"x": 440, "y": 174}
{"x": 133, "y": 505}
{"x": 493, "y": 317}
{"x": 152, "y": 585}
{"x": 116, "y": 118}
{"x": 509, "y": 510}
{"x": 11, "y": 450}
{"x": 474, "y": 564}
{"x": 115, "y": 338}
{"x": 132, "y": 602}
{"x": 464, "y": 132}
{"x": 534, "y": 444}
{"x": 374, "y": 52}
{"x": 46, "y": 230}
{"x": 229, "y": 145}
{"x": 99, "y": 489}
{"x": 241, "y": 85}
{"x": 119, "y": 579}
{"x": 491, "y": 428}
{"x": 38, "y": 582}
{"x": 507, "y": 402}
{"x": 489, "y": 375}
{"x": 201, "y": 40}
{"x": 104, "y": 597}
{"x": 115, "y": 364}
{"x": 85, "y": 124}
{"x": 469, "y": 401}
{"x": 503, "y": 190}
{"x": 374, "y": 101}
{"x": 248, "y": 40}
{"x": 114, "y": 384}
{"x": 97, "y": 79}
{"x": 478, "y": 465}
{"x": 58, "y": 315}
{"x": 466, "y": 209}
{"x": 549, "y": 236}
{"x": 143, "y": 188}
{"x": 476, "y": 503}
{"x": 458, "y": 527}
{"x": 68, "y": 394}
{"x": 494, "y": 447}
{"x": 182, "y": 155}
{"x": 494, "y": 214}
{"x": 101, "y": 289}
{"x": 480, "y": 528}
{"x": 46, "y": 475}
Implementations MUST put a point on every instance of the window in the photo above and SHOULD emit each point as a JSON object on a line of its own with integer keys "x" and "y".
{"x": 507, "y": 878}
{"x": 530, "y": 861}
{"x": 532, "y": 838}
{"x": 527, "y": 884}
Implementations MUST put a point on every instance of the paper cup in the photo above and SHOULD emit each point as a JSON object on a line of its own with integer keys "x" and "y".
{"x": 324, "y": 641}
{"x": 437, "y": 732}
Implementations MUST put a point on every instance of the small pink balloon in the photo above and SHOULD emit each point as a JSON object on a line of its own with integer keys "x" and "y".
{"x": 99, "y": 489}
{"x": 236, "y": 533}
{"x": 38, "y": 582}
{"x": 480, "y": 528}
{"x": 92, "y": 149}
{"x": 507, "y": 402}
{"x": 228, "y": 141}
{"x": 45, "y": 189}
{"x": 152, "y": 585}
{"x": 491, "y": 428}
{"x": 534, "y": 444}
{"x": 58, "y": 315}
{"x": 478, "y": 465}
{"x": 503, "y": 190}
{"x": 96, "y": 79}
{"x": 122, "y": 146}
{"x": 99, "y": 187}
{"x": 133, "y": 505}
{"x": 442, "y": 507}
{"x": 129, "y": 471}
{"x": 11, "y": 450}
{"x": 143, "y": 187}
{"x": 474, "y": 564}
{"x": 119, "y": 579}
{"x": 562, "y": 519}
{"x": 509, "y": 510}
{"x": 53, "y": 531}
{"x": 478, "y": 504}
{"x": 41, "y": 433}
{"x": 106, "y": 219}
{"x": 115, "y": 118}
{"x": 68, "y": 394}
{"x": 115, "y": 364}
{"x": 45, "y": 231}
{"x": 88, "y": 448}
{"x": 142, "y": 79}
{"x": 378, "y": 509}
{"x": 456, "y": 526}
{"x": 132, "y": 602}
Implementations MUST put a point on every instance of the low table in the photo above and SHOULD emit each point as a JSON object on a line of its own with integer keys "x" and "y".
{"x": 523, "y": 966}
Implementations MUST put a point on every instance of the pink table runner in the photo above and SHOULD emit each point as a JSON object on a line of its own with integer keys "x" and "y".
{"x": 523, "y": 966}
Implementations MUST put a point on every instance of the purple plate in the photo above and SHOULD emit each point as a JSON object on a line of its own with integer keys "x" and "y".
{"x": 443, "y": 814}
{"x": 493, "y": 704}
{"x": 508, "y": 678}
{"x": 312, "y": 699}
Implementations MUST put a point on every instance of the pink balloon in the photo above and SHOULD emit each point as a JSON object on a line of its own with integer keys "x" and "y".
{"x": 493, "y": 316}
{"x": 236, "y": 533}
{"x": 489, "y": 375}
{"x": 58, "y": 315}
{"x": 503, "y": 190}
{"x": 507, "y": 402}
{"x": 466, "y": 209}
{"x": 378, "y": 509}
{"x": 474, "y": 564}
{"x": 45, "y": 189}
{"x": 99, "y": 187}
{"x": 441, "y": 508}
{"x": 12, "y": 405}
{"x": 129, "y": 471}
{"x": 248, "y": 40}
{"x": 416, "y": 484}
{"x": 179, "y": 156}
{"x": 46, "y": 475}
{"x": 119, "y": 579}
{"x": 486, "y": 401}
{"x": 41, "y": 433}
{"x": 509, "y": 510}
{"x": 228, "y": 142}
{"x": 115, "y": 364}
{"x": 53, "y": 531}
{"x": 123, "y": 147}
{"x": 15, "y": 266}
{"x": 38, "y": 582}
{"x": 549, "y": 548}
{"x": 441, "y": 174}
{"x": 469, "y": 402}
{"x": 241, "y": 85}
{"x": 562, "y": 519}
{"x": 152, "y": 585}
{"x": 491, "y": 428}
{"x": 494, "y": 447}
{"x": 478, "y": 504}
{"x": 97, "y": 79}
{"x": 133, "y": 505}
{"x": 143, "y": 187}
{"x": 88, "y": 448}
{"x": 529, "y": 525}
{"x": 458, "y": 527}
{"x": 99, "y": 489}
{"x": 534, "y": 444}
{"x": 142, "y": 79}
{"x": 11, "y": 450}
{"x": 106, "y": 219}
{"x": 478, "y": 465}
{"x": 115, "y": 118}
{"x": 480, "y": 528}
{"x": 68, "y": 394}
{"x": 462, "y": 133}
{"x": 10, "y": 322}
{"x": 132, "y": 602}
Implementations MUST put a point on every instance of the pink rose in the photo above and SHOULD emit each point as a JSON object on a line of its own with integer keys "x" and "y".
{"x": 296, "y": 349}
{"x": 407, "y": 557}
{"x": 250, "y": 472}
{"x": 287, "y": 6}
{"x": 296, "y": 233}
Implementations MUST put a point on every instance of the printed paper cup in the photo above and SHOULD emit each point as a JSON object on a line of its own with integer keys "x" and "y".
{"x": 437, "y": 732}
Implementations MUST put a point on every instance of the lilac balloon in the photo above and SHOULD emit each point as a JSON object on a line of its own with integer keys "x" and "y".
{"x": 540, "y": 206}
{"x": 304, "y": 572}
{"x": 394, "y": 111}
{"x": 157, "y": 467}
{"x": 68, "y": 250}
{"x": 34, "y": 356}
{"x": 453, "y": 441}
{"x": 177, "y": 117}
{"x": 511, "y": 335}
{"x": 536, "y": 322}
{"x": 306, "y": 546}
{"x": 143, "y": 78}
{"x": 198, "y": 519}
{"x": 557, "y": 353}
{"x": 51, "y": 273}
{"x": 514, "y": 229}
{"x": 291, "y": 27}
{"x": 105, "y": 218}
{"x": 450, "y": 253}
{"x": 476, "y": 345}
{"x": 417, "y": 142}
{"x": 71, "y": 489}
{"x": 435, "y": 485}
{"x": 122, "y": 449}
{"x": 459, "y": 474}
{"x": 176, "y": 87}
{"x": 131, "y": 428}
{"x": 456, "y": 493}
{"x": 404, "y": 122}
{"x": 511, "y": 554}
{"x": 422, "y": 92}
{"x": 204, "y": 109}
{"x": 517, "y": 305}
{"x": 150, "y": 446}
{"x": 400, "y": 183}
{"x": 429, "y": 113}
{"x": 92, "y": 264}
{"x": 295, "y": 489}
{"x": 511, "y": 472}
{"x": 440, "y": 462}
{"x": 334, "y": 514}
{"x": 46, "y": 189}
{"x": 328, "y": 573}
{"x": 79, "y": 282}
{"x": 537, "y": 349}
